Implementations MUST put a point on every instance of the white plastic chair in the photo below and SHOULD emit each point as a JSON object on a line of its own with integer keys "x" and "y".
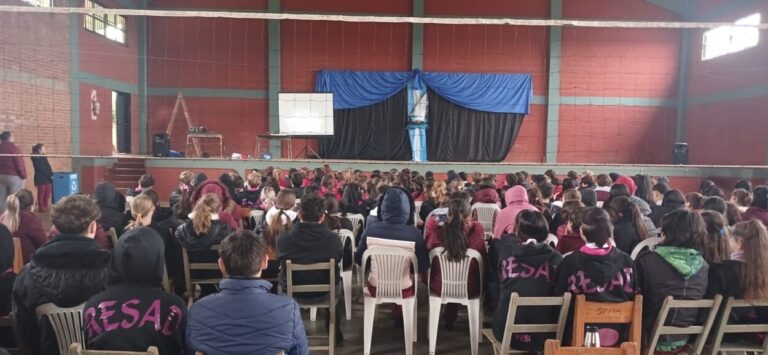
{"x": 551, "y": 240}
{"x": 486, "y": 214}
{"x": 389, "y": 262}
{"x": 67, "y": 323}
{"x": 346, "y": 275}
{"x": 454, "y": 276}
{"x": 649, "y": 243}
{"x": 257, "y": 218}
{"x": 416, "y": 218}
{"x": 358, "y": 222}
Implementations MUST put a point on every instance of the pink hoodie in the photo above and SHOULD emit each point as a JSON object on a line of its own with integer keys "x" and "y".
{"x": 517, "y": 200}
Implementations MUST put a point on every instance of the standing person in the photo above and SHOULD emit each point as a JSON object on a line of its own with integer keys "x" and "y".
{"x": 43, "y": 177}
{"x": 12, "y": 170}
{"x": 24, "y": 224}
{"x": 66, "y": 271}
{"x": 134, "y": 289}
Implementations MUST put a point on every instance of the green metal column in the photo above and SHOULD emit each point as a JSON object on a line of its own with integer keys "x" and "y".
{"x": 553, "y": 94}
{"x": 682, "y": 80}
{"x": 417, "y": 50}
{"x": 74, "y": 87}
{"x": 142, "y": 92}
{"x": 274, "y": 78}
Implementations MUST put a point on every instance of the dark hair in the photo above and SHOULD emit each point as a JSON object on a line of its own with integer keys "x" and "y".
{"x": 589, "y": 197}
{"x": 715, "y": 246}
{"x": 596, "y": 226}
{"x": 146, "y": 180}
{"x": 644, "y": 188}
{"x": 463, "y": 176}
{"x": 569, "y": 184}
{"x": 26, "y": 199}
{"x": 673, "y": 197}
{"x": 742, "y": 197}
{"x": 683, "y": 229}
{"x": 5, "y": 136}
{"x": 709, "y": 188}
{"x": 453, "y": 231}
{"x": 622, "y": 208}
{"x": 311, "y": 209}
{"x": 242, "y": 253}
{"x": 331, "y": 207}
{"x": 37, "y": 148}
{"x": 613, "y": 176}
{"x": 733, "y": 214}
{"x": 539, "y": 179}
{"x": 73, "y": 214}
{"x": 715, "y": 203}
{"x": 760, "y": 197}
{"x": 297, "y": 179}
{"x": 350, "y": 198}
{"x": 661, "y": 188}
{"x": 587, "y": 181}
{"x": 573, "y": 175}
{"x": 513, "y": 180}
{"x": 531, "y": 224}
{"x": 695, "y": 199}
{"x": 546, "y": 189}
{"x": 743, "y": 184}
{"x": 573, "y": 212}
{"x": 603, "y": 180}
{"x": 551, "y": 174}
{"x": 617, "y": 190}
{"x": 152, "y": 194}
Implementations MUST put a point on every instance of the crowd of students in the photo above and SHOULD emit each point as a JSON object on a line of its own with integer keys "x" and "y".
{"x": 709, "y": 246}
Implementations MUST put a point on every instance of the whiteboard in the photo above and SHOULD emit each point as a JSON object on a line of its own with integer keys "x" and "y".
{"x": 306, "y": 114}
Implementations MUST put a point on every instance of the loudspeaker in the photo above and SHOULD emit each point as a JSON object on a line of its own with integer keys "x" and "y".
{"x": 161, "y": 145}
{"x": 680, "y": 153}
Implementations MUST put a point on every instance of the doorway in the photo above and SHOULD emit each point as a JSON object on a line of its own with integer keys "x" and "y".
{"x": 121, "y": 122}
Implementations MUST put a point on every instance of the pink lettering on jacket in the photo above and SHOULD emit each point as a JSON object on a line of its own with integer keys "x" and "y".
{"x": 106, "y": 312}
{"x": 97, "y": 319}
{"x": 579, "y": 283}
{"x": 152, "y": 315}
{"x": 511, "y": 269}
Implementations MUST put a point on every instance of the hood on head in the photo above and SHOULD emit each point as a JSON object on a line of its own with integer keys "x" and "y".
{"x": 139, "y": 258}
{"x": 628, "y": 182}
{"x": 686, "y": 261}
{"x": 516, "y": 194}
{"x": 396, "y": 206}
{"x": 6, "y": 248}
{"x": 106, "y": 195}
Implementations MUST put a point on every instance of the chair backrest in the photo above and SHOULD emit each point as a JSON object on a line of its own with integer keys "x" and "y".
{"x": 515, "y": 302}
{"x": 189, "y": 267}
{"x": 416, "y": 217}
{"x": 700, "y": 331}
{"x": 358, "y": 222}
{"x": 113, "y": 236}
{"x": 389, "y": 262}
{"x": 256, "y": 218}
{"x": 77, "y": 349}
{"x": 630, "y": 312}
{"x": 18, "y": 256}
{"x": 723, "y": 327}
{"x": 551, "y": 240}
{"x": 454, "y": 274}
{"x": 486, "y": 214}
{"x": 649, "y": 243}
{"x": 67, "y": 323}
{"x": 347, "y": 238}
{"x": 552, "y": 347}
{"x": 329, "y": 287}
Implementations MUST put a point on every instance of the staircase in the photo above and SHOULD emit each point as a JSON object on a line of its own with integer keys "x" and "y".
{"x": 125, "y": 173}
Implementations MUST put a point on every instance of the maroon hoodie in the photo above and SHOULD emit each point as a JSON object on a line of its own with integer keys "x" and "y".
{"x": 13, "y": 166}
{"x": 757, "y": 213}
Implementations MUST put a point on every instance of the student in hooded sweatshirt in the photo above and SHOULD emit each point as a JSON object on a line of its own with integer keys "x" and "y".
{"x": 517, "y": 200}
{"x": 628, "y": 227}
{"x": 599, "y": 270}
{"x": 522, "y": 262}
{"x": 112, "y": 206}
{"x": 759, "y": 208}
{"x": 134, "y": 313}
{"x": 674, "y": 268}
{"x": 66, "y": 271}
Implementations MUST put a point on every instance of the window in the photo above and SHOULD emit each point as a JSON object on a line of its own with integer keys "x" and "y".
{"x": 731, "y": 39}
{"x": 39, "y": 3}
{"x": 110, "y": 26}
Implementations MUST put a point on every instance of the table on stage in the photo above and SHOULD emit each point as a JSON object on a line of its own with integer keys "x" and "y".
{"x": 306, "y": 150}
{"x": 205, "y": 135}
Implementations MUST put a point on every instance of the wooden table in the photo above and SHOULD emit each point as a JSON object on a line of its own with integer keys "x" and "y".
{"x": 209, "y": 135}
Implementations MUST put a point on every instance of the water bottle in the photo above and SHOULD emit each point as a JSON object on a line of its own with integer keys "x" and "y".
{"x": 592, "y": 338}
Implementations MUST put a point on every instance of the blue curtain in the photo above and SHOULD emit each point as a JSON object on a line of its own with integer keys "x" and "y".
{"x": 353, "y": 89}
{"x": 500, "y": 93}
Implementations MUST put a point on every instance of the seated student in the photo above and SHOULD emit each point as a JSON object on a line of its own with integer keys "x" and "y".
{"x": 603, "y": 189}
{"x": 694, "y": 201}
{"x": 742, "y": 198}
{"x": 7, "y": 276}
{"x": 569, "y": 234}
{"x": 284, "y": 205}
{"x": 146, "y": 182}
{"x": 486, "y": 192}
{"x": 555, "y": 209}
{"x": 142, "y": 211}
{"x": 628, "y": 227}
{"x": 517, "y": 200}
{"x": 674, "y": 268}
{"x": 659, "y": 189}
{"x": 251, "y": 195}
{"x": 230, "y": 211}
{"x": 112, "y": 206}
{"x": 599, "y": 270}
{"x": 244, "y": 317}
{"x": 456, "y": 235}
{"x": 673, "y": 200}
{"x": 715, "y": 203}
{"x": 134, "y": 313}
{"x": 512, "y": 258}
{"x": 66, "y": 271}
{"x": 759, "y": 208}
{"x": 277, "y": 225}
{"x": 310, "y": 241}
{"x": 716, "y": 244}
{"x": 352, "y": 201}
{"x": 642, "y": 205}
{"x": 436, "y": 196}
{"x": 745, "y": 276}
{"x": 24, "y": 224}
{"x": 203, "y": 230}
{"x": 335, "y": 221}
{"x": 185, "y": 186}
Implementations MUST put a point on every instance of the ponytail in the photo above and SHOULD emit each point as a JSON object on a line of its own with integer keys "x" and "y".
{"x": 12, "y": 218}
{"x": 754, "y": 270}
{"x": 275, "y": 228}
{"x": 454, "y": 237}
{"x": 637, "y": 220}
{"x": 596, "y": 226}
{"x": 622, "y": 208}
{"x": 204, "y": 210}
{"x": 141, "y": 206}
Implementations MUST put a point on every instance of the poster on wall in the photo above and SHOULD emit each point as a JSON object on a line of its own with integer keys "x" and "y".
{"x": 95, "y": 105}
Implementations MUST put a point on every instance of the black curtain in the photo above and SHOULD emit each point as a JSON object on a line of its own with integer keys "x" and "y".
{"x": 375, "y": 132}
{"x": 461, "y": 134}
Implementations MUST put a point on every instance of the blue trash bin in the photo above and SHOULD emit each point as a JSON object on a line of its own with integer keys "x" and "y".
{"x": 65, "y": 184}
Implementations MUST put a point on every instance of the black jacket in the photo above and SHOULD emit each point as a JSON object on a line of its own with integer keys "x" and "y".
{"x": 134, "y": 313}
{"x": 529, "y": 270}
{"x": 66, "y": 271}
{"x": 43, "y": 171}
{"x": 657, "y": 279}
{"x": 308, "y": 243}
{"x": 112, "y": 206}
{"x": 626, "y": 236}
{"x": 7, "y": 277}
{"x": 660, "y": 211}
{"x": 725, "y": 280}
{"x": 198, "y": 246}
